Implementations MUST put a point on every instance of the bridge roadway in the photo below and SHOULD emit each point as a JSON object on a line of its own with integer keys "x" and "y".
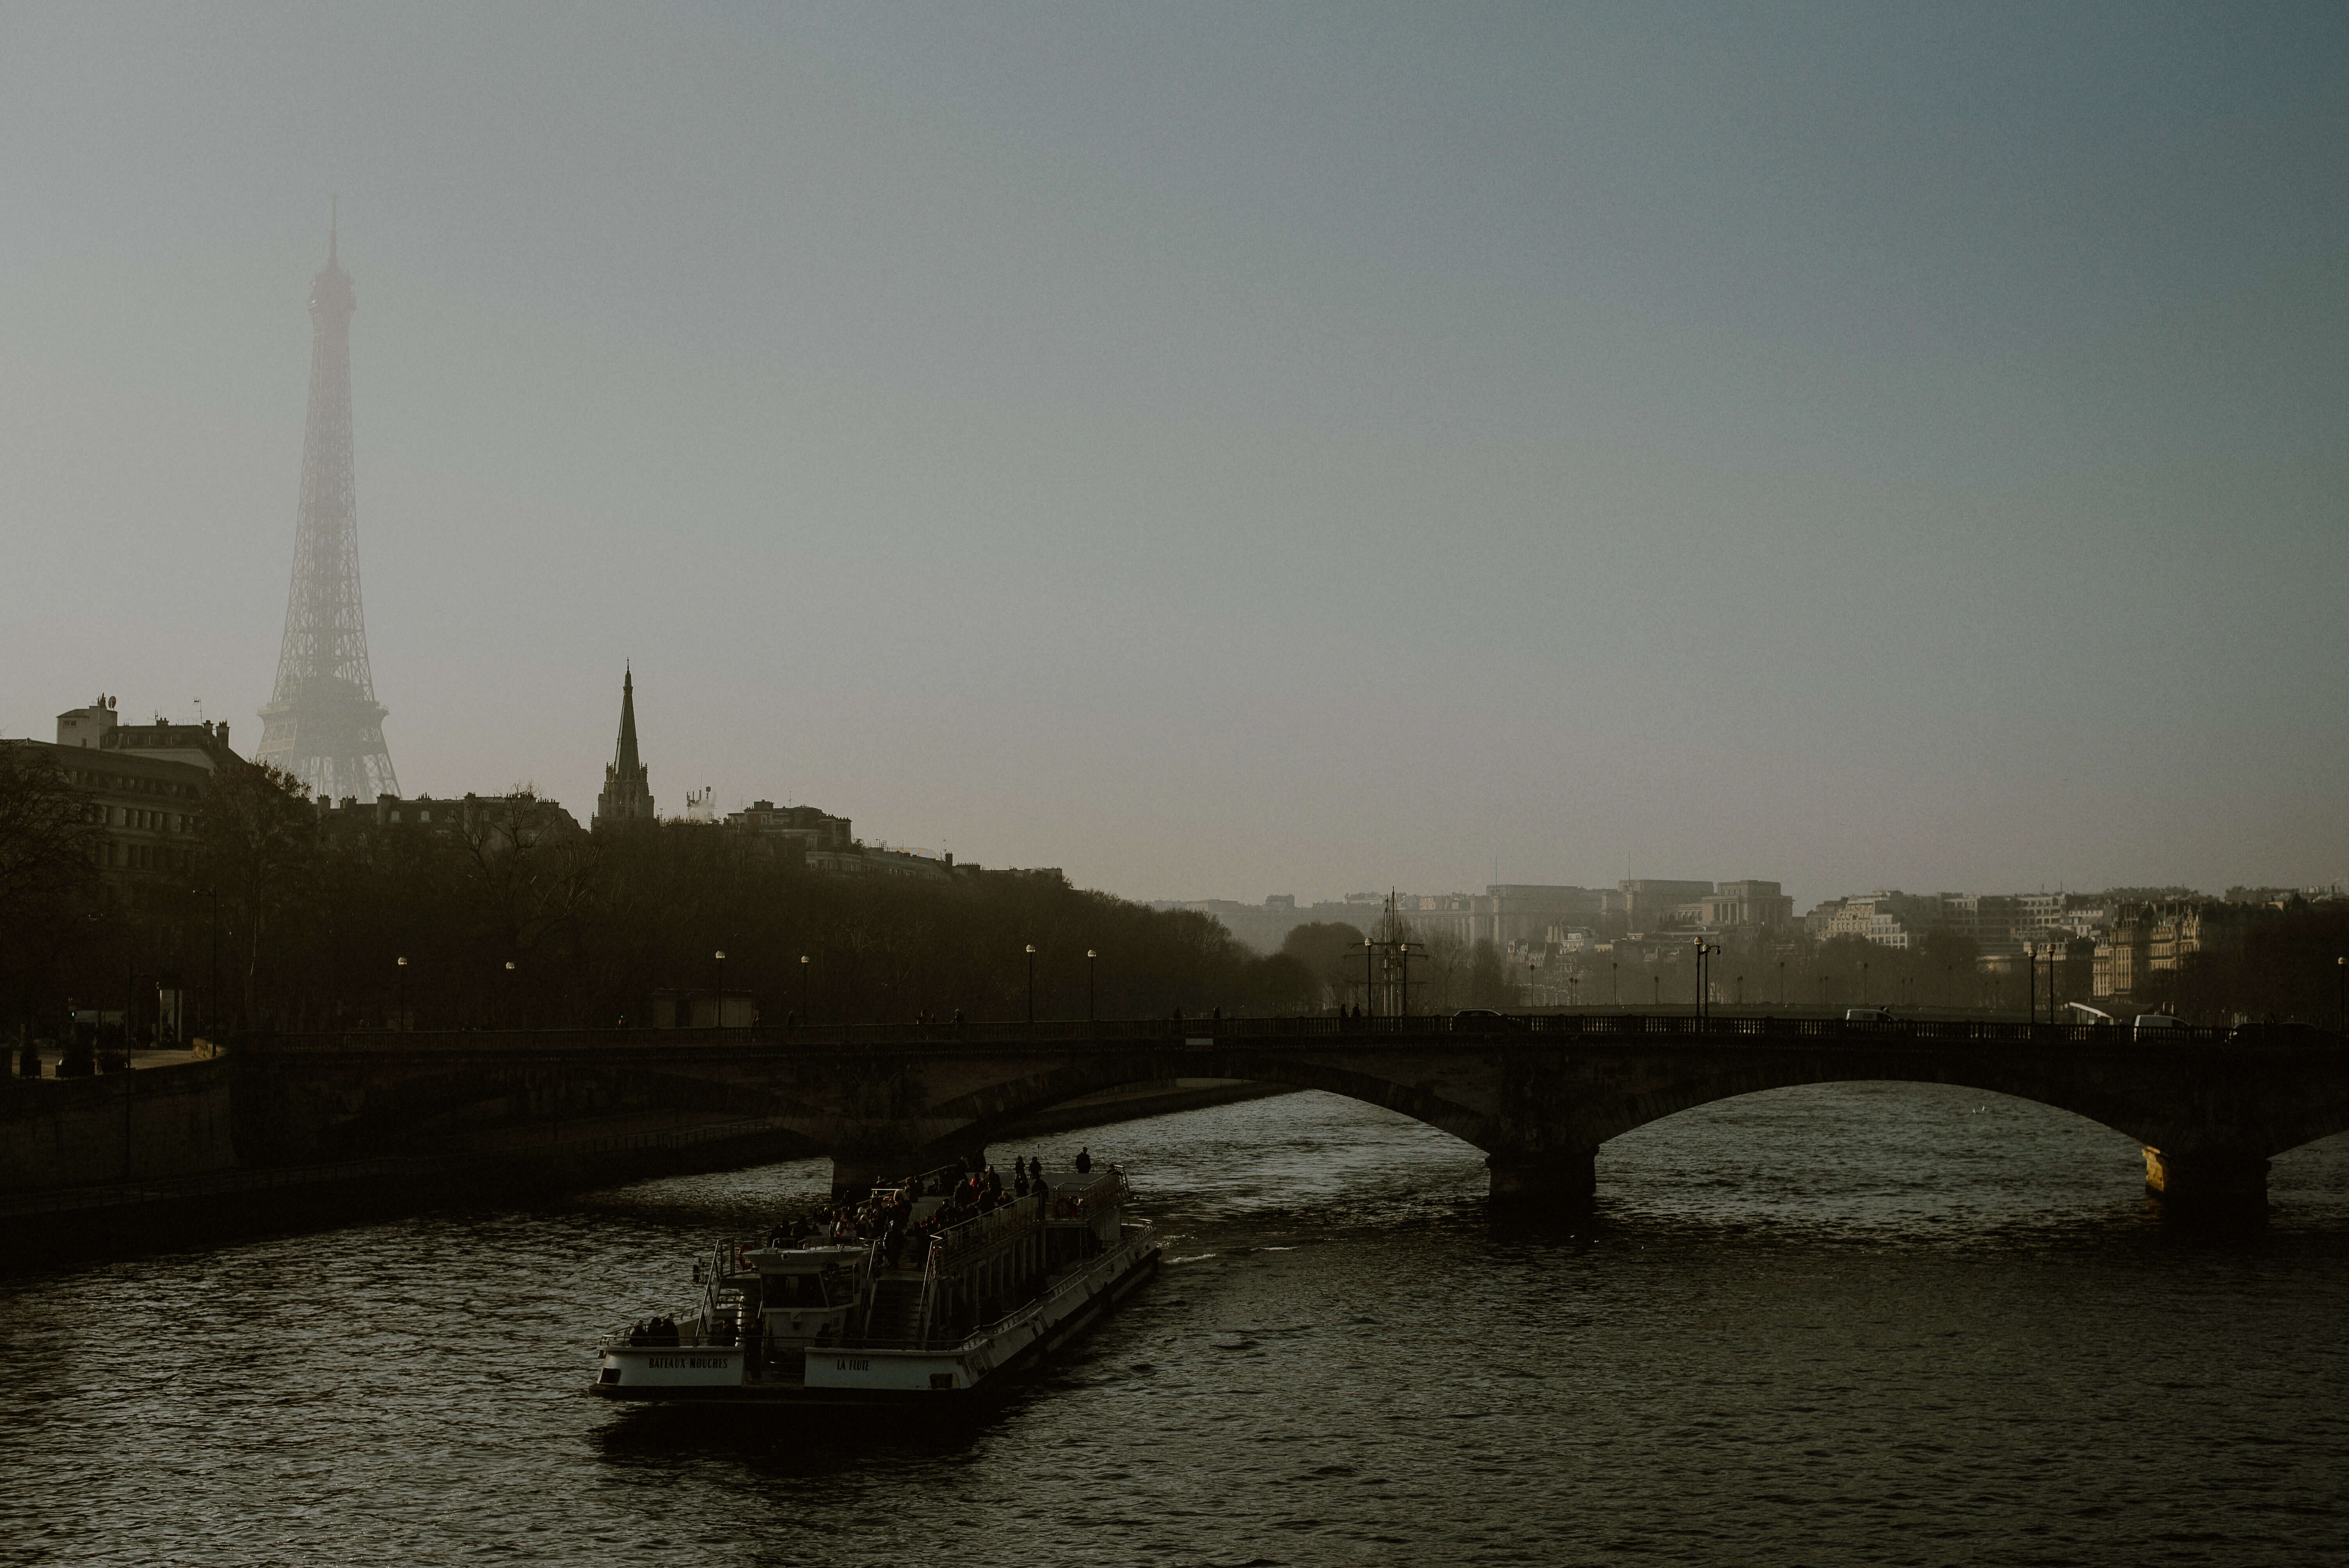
{"x": 1540, "y": 1095}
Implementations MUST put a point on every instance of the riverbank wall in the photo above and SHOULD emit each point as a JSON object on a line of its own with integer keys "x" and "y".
{"x": 161, "y": 1123}
{"x": 147, "y": 1157}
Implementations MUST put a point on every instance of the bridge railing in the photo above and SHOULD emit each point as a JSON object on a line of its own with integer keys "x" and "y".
{"x": 1467, "y": 1030}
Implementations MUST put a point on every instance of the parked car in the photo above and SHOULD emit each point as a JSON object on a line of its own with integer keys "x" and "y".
{"x": 1872, "y": 1017}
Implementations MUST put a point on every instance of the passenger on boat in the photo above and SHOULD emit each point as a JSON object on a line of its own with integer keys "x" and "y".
{"x": 1085, "y": 1161}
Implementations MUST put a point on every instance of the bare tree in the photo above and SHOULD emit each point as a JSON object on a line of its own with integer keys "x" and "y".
{"x": 47, "y": 834}
{"x": 48, "y": 839}
{"x": 258, "y": 843}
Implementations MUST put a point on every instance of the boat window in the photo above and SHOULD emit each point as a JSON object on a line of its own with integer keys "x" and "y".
{"x": 794, "y": 1289}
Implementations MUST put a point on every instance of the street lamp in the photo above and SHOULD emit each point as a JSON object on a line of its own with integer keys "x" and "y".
{"x": 805, "y": 1015}
{"x": 1704, "y": 952}
{"x": 2341, "y": 964}
{"x": 1370, "y": 1003}
{"x": 1782, "y": 982}
{"x": 719, "y": 1016}
{"x": 2031, "y": 978}
{"x": 403, "y": 994}
{"x": 1090, "y": 956}
{"x": 1031, "y": 982}
{"x": 1533, "y": 981}
{"x": 510, "y": 990}
{"x": 1863, "y": 982}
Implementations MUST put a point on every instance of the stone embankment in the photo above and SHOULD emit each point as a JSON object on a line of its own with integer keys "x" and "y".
{"x": 124, "y": 1155}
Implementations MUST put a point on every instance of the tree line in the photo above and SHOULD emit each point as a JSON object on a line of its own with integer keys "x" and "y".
{"x": 508, "y": 915}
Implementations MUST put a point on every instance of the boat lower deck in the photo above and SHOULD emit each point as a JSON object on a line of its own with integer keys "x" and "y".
{"x": 879, "y": 1369}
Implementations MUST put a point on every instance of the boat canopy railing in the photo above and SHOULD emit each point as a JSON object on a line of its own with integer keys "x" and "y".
{"x": 982, "y": 1231}
{"x": 973, "y": 1337}
{"x": 1106, "y": 1190}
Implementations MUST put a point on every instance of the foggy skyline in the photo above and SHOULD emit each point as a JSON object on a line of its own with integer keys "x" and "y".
{"x": 1233, "y": 453}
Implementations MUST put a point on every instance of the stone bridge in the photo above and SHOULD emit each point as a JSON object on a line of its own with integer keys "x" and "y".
{"x": 1538, "y": 1095}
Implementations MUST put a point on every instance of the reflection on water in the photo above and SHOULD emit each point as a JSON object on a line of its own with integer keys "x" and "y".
{"x": 1860, "y": 1322}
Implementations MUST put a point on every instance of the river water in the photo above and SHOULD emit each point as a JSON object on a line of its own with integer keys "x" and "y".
{"x": 1864, "y": 1323}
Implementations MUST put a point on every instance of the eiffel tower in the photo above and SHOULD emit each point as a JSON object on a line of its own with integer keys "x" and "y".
{"x": 323, "y": 725}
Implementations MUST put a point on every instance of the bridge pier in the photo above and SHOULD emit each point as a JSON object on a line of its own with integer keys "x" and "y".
{"x": 1563, "y": 1178}
{"x": 2203, "y": 1185}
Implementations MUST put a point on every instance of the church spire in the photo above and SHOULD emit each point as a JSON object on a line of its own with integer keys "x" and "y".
{"x": 627, "y": 794}
{"x": 625, "y": 757}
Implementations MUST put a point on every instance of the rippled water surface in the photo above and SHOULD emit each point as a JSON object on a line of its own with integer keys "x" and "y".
{"x": 1879, "y": 1323}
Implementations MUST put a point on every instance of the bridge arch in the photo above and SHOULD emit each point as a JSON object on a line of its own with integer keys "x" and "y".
{"x": 991, "y": 1114}
{"x": 1713, "y": 1083}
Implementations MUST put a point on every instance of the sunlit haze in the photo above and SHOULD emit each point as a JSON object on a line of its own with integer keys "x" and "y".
{"x": 1236, "y": 452}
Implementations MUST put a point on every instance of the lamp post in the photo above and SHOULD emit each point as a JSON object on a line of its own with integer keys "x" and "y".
{"x": 1615, "y": 978}
{"x": 510, "y": 992}
{"x": 403, "y": 995}
{"x": 805, "y": 966}
{"x": 1369, "y": 1002}
{"x": 1090, "y": 956}
{"x": 1031, "y": 982}
{"x": 2341, "y": 964}
{"x": 2031, "y": 978}
{"x": 1704, "y": 955}
{"x": 1863, "y": 982}
{"x": 1782, "y": 982}
{"x": 1533, "y": 981}
{"x": 719, "y": 1016}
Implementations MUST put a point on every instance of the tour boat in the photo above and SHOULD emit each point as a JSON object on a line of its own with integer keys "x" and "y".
{"x": 835, "y": 1324}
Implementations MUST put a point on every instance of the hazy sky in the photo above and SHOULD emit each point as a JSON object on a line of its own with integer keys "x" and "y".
{"x": 1235, "y": 451}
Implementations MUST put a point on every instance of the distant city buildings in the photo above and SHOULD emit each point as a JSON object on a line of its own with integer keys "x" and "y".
{"x": 1520, "y": 918}
{"x": 146, "y": 782}
{"x": 490, "y": 822}
{"x": 802, "y": 834}
{"x": 2144, "y": 942}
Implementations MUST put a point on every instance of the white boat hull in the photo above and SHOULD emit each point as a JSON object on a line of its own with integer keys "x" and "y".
{"x": 883, "y": 1376}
